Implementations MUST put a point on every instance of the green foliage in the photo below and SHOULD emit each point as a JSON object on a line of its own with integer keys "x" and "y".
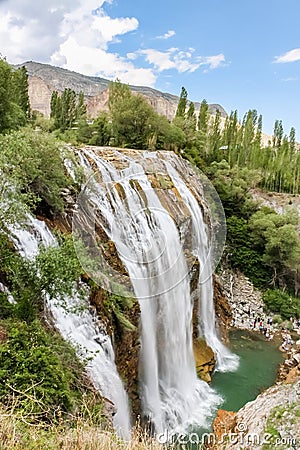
{"x": 67, "y": 109}
{"x": 59, "y": 267}
{"x": 38, "y": 368}
{"x": 14, "y": 100}
{"x": 117, "y": 306}
{"x": 233, "y": 186}
{"x": 277, "y": 236}
{"x": 243, "y": 254}
{"x": 182, "y": 104}
{"x": 282, "y": 303}
{"x": 131, "y": 117}
{"x": 134, "y": 122}
{"x": 20, "y": 87}
{"x": 32, "y": 163}
{"x": 54, "y": 272}
{"x": 101, "y": 130}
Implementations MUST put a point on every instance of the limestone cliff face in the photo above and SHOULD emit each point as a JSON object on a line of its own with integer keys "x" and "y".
{"x": 40, "y": 95}
{"x": 270, "y": 421}
{"x": 44, "y": 79}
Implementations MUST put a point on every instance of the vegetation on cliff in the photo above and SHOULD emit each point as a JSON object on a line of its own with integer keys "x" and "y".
{"x": 261, "y": 243}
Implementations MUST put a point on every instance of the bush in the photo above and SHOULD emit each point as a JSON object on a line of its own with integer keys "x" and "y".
{"x": 244, "y": 254}
{"x": 33, "y": 164}
{"x": 281, "y": 302}
{"x": 39, "y": 368}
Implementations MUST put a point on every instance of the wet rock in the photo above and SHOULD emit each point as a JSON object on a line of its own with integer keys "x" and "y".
{"x": 204, "y": 359}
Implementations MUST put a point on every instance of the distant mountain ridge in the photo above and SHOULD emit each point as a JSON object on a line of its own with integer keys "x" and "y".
{"x": 44, "y": 79}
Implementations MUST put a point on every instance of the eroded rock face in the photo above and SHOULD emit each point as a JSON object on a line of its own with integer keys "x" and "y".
{"x": 244, "y": 299}
{"x": 126, "y": 342}
{"x": 204, "y": 359}
{"x": 44, "y": 79}
{"x": 223, "y": 310}
{"x": 273, "y": 418}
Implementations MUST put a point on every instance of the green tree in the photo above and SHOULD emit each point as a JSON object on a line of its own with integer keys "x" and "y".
{"x": 20, "y": 87}
{"x": 101, "y": 130}
{"x": 215, "y": 138}
{"x": 277, "y": 236}
{"x": 67, "y": 109}
{"x": 203, "y": 126}
{"x": 134, "y": 122}
{"x": 32, "y": 163}
{"x": 182, "y": 103}
{"x": 12, "y": 116}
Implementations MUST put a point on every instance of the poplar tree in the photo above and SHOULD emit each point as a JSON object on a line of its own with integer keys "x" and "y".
{"x": 20, "y": 86}
{"x": 182, "y": 104}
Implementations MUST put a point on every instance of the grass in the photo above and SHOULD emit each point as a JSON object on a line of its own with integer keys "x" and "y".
{"x": 17, "y": 432}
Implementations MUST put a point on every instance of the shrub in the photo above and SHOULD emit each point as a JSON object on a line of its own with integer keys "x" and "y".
{"x": 33, "y": 164}
{"x": 39, "y": 368}
{"x": 281, "y": 302}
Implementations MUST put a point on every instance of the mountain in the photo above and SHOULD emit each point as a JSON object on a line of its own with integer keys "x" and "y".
{"x": 44, "y": 79}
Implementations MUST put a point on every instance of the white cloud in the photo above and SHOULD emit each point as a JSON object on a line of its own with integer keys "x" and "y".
{"x": 182, "y": 61}
{"x": 95, "y": 61}
{"x": 167, "y": 35}
{"x": 77, "y": 34}
{"x": 74, "y": 34}
{"x": 160, "y": 60}
{"x": 291, "y": 56}
{"x": 288, "y": 79}
{"x": 213, "y": 62}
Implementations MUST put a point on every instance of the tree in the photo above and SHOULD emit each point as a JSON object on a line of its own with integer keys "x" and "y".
{"x": 80, "y": 107}
{"x": 20, "y": 85}
{"x": 101, "y": 130}
{"x": 182, "y": 104}
{"x": 277, "y": 236}
{"x": 203, "y": 119}
{"x": 12, "y": 106}
{"x": 67, "y": 109}
{"x": 215, "y": 136}
{"x": 33, "y": 165}
{"x": 277, "y": 134}
{"x": 134, "y": 121}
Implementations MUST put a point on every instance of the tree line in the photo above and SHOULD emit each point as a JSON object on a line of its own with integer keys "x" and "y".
{"x": 228, "y": 150}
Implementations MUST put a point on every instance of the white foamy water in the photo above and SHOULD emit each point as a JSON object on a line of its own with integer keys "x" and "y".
{"x": 79, "y": 325}
{"x": 148, "y": 243}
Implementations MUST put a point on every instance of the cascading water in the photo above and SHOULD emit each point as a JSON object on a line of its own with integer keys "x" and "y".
{"x": 226, "y": 361}
{"x": 149, "y": 245}
{"x": 79, "y": 325}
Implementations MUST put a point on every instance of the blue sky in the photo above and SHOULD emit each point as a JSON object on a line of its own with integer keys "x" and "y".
{"x": 240, "y": 54}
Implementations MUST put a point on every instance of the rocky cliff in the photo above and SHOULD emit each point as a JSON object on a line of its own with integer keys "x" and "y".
{"x": 270, "y": 421}
{"x": 126, "y": 341}
{"x": 44, "y": 79}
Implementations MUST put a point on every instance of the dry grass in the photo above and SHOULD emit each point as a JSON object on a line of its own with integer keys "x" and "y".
{"x": 16, "y": 432}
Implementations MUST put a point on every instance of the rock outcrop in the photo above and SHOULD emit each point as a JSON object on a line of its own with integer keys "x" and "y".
{"x": 270, "y": 421}
{"x": 205, "y": 360}
{"x": 244, "y": 299}
{"x": 44, "y": 79}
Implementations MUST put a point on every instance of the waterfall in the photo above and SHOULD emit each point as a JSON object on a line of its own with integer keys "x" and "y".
{"x": 150, "y": 246}
{"x": 226, "y": 361}
{"x": 6, "y": 291}
{"x": 79, "y": 325}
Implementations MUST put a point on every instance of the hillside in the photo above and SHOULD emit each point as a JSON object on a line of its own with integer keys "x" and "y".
{"x": 44, "y": 79}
